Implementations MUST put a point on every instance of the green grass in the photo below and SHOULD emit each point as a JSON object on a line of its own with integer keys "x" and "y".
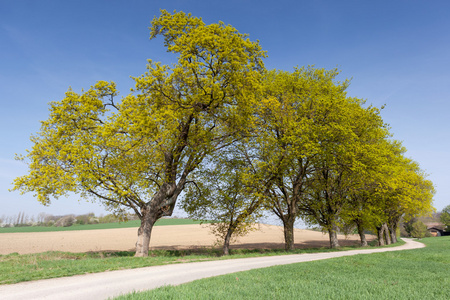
{"x": 16, "y": 268}
{"x": 411, "y": 274}
{"x": 133, "y": 223}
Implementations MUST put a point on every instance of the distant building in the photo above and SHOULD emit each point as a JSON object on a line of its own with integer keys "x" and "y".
{"x": 436, "y": 229}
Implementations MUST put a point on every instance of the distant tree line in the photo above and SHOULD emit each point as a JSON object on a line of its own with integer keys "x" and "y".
{"x": 49, "y": 220}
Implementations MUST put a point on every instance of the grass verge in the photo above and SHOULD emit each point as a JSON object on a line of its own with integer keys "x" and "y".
{"x": 412, "y": 274}
{"x": 16, "y": 268}
{"x": 128, "y": 224}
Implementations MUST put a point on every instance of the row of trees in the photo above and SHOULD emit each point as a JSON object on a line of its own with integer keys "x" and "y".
{"x": 317, "y": 154}
{"x": 237, "y": 138}
{"x": 44, "y": 219}
{"x": 18, "y": 220}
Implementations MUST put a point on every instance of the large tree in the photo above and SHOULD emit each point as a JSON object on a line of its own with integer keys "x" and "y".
{"x": 293, "y": 106}
{"x": 348, "y": 136}
{"x": 405, "y": 193}
{"x": 138, "y": 154}
{"x": 398, "y": 189}
{"x": 362, "y": 205}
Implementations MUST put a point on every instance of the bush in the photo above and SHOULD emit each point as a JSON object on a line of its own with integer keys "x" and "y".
{"x": 65, "y": 221}
{"x": 403, "y": 232}
{"x": 111, "y": 218}
{"x": 108, "y": 219}
{"x": 49, "y": 223}
{"x": 85, "y": 219}
{"x": 93, "y": 220}
{"x": 445, "y": 218}
{"x": 419, "y": 230}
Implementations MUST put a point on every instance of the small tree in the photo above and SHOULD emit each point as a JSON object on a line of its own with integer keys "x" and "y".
{"x": 445, "y": 217}
{"x": 222, "y": 195}
{"x": 408, "y": 225}
{"x": 65, "y": 221}
{"x": 419, "y": 230}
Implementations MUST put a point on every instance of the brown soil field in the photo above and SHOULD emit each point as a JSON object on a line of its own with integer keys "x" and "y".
{"x": 163, "y": 237}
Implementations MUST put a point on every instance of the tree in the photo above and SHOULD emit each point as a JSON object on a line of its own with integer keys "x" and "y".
{"x": 138, "y": 154}
{"x": 408, "y": 225}
{"x": 402, "y": 191}
{"x": 349, "y": 138}
{"x": 419, "y": 230}
{"x": 445, "y": 217}
{"x": 311, "y": 128}
{"x": 359, "y": 211}
{"x": 222, "y": 195}
{"x": 408, "y": 194}
{"x": 293, "y": 105}
{"x": 361, "y": 206}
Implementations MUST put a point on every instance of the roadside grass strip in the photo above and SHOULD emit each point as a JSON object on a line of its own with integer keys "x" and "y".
{"x": 127, "y": 224}
{"x": 16, "y": 268}
{"x": 411, "y": 274}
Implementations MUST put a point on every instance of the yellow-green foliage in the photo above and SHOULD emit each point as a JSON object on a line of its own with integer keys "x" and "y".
{"x": 309, "y": 147}
{"x": 131, "y": 152}
{"x": 222, "y": 194}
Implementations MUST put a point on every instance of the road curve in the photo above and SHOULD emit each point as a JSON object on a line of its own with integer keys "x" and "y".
{"x": 110, "y": 284}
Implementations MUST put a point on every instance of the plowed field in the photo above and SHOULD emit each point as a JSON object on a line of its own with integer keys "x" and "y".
{"x": 163, "y": 237}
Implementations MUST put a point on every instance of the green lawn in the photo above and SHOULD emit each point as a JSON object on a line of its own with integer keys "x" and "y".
{"x": 410, "y": 274}
{"x": 133, "y": 223}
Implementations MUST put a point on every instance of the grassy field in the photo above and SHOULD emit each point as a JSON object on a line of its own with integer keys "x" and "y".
{"x": 411, "y": 274}
{"x": 133, "y": 223}
{"x": 16, "y": 268}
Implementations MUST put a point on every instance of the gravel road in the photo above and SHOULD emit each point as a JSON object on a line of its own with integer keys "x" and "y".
{"x": 114, "y": 283}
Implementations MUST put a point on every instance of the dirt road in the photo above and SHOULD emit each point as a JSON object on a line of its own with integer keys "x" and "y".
{"x": 111, "y": 284}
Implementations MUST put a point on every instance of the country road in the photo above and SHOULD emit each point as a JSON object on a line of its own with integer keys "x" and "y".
{"x": 110, "y": 284}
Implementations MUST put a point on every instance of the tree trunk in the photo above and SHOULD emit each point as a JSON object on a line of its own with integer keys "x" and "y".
{"x": 334, "y": 242}
{"x": 162, "y": 204}
{"x": 392, "y": 226}
{"x": 148, "y": 219}
{"x": 394, "y": 237}
{"x": 380, "y": 236}
{"x": 289, "y": 233}
{"x": 386, "y": 234}
{"x": 393, "y": 232}
{"x": 362, "y": 235}
{"x": 226, "y": 243}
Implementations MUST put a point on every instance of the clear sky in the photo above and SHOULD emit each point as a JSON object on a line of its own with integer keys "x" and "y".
{"x": 396, "y": 52}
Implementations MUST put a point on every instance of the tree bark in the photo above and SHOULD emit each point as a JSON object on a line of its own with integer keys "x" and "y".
{"x": 380, "y": 236}
{"x": 393, "y": 232}
{"x": 392, "y": 226}
{"x": 148, "y": 219}
{"x": 334, "y": 242}
{"x": 226, "y": 243}
{"x": 362, "y": 235}
{"x": 289, "y": 233}
{"x": 162, "y": 204}
{"x": 386, "y": 234}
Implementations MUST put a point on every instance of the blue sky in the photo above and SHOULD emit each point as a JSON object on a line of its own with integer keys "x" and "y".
{"x": 396, "y": 52}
